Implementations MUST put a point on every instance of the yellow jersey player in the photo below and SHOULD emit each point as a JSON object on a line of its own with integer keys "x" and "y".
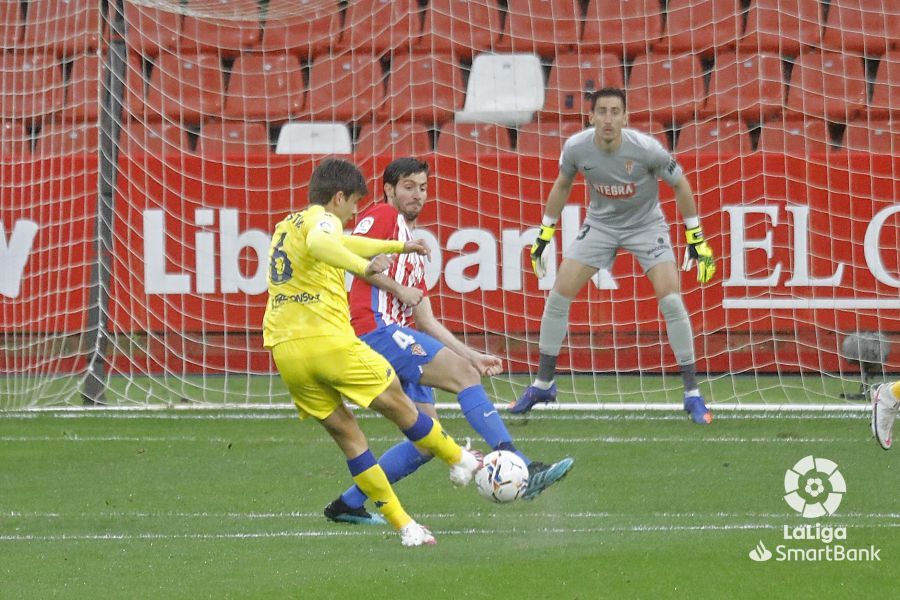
{"x": 307, "y": 328}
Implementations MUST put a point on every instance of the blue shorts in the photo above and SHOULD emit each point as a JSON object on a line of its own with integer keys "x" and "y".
{"x": 408, "y": 351}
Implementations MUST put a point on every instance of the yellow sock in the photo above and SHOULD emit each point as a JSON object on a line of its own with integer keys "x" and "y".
{"x": 895, "y": 389}
{"x": 439, "y": 443}
{"x": 374, "y": 483}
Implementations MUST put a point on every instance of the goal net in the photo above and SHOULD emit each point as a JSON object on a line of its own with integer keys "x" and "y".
{"x": 149, "y": 147}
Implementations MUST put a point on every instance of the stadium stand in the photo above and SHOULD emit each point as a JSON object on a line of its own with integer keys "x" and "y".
{"x": 544, "y": 27}
{"x": 229, "y": 35}
{"x": 667, "y": 89}
{"x": 794, "y": 137}
{"x": 150, "y": 30}
{"x": 393, "y": 139}
{"x": 701, "y": 27}
{"x": 10, "y": 25}
{"x": 31, "y": 87}
{"x": 155, "y": 138}
{"x": 626, "y": 29}
{"x": 60, "y": 139}
{"x": 784, "y": 27}
{"x": 314, "y": 138}
{"x": 423, "y": 87}
{"x": 473, "y": 138}
{"x": 308, "y": 35}
{"x": 380, "y": 26}
{"x": 865, "y": 27}
{"x": 461, "y": 27}
{"x": 14, "y": 141}
{"x": 545, "y": 138}
{"x": 877, "y": 137}
{"x": 827, "y": 85}
{"x": 267, "y": 87}
{"x": 504, "y": 88}
{"x": 187, "y": 87}
{"x": 63, "y": 27}
{"x": 886, "y": 88}
{"x": 345, "y": 87}
{"x": 233, "y": 138}
{"x": 715, "y": 136}
{"x": 748, "y": 86}
{"x": 572, "y": 77}
{"x": 83, "y": 89}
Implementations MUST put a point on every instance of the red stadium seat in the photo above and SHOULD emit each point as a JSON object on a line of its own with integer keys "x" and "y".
{"x": 459, "y": 26}
{"x": 546, "y": 138}
{"x": 10, "y": 25}
{"x": 749, "y": 87}
{"x": 459, "y": 139}
{"x": 715, "y": 136}
{"x": 135, "y": 87}
{"x": 64, "y": 27}
{"x": 876, "y": 137}
{"x": 31, "y": 87}
{"x": 861, "y": 26}
{"x": 231, "y": 138}
{"x": 187, "y": 87}
{"x": 58, "y": 139}
{"x": 794, "y": 137}
{"x": 14, "y": 141}
{"x": 157, "y": 138}
{"x": 237, "y": 30}
{"x": 83, "y": 91}
{"x": 346, "y": 87}
{"x": 542, "y": 27}
{"x": 623, "y": 28}
{"x": 573, "y": 77}
{"x": 886, "y": 92}
{"x": 307, "y": 34}
{"x": 702, "y": 27}
{"x": 380, "y": 26}
{"x": 394, "y": 139}
{"x": 828, "y": 86}
{"x": 426, "y": 88}
{"x": 149, "y": 30}
{"x": 781, "y": 26}
{"x": 665, "y": 89}
{"x": 265, "y": 87}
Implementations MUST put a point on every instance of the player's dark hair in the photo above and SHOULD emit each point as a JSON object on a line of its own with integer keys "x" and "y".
{"x": 403, "y": 167}
{"x": 607, "y": 92}
{"x": 334, "y": 175}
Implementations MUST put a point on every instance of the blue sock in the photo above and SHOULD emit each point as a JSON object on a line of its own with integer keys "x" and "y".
{"x": 486, "y": 420}
{"x": 398, "y": 462}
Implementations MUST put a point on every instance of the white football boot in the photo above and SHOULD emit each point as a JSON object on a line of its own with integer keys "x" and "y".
{"x": 413, "y": 534}
{"x": 884, "y": 413}
{"x": 461, "y": 473}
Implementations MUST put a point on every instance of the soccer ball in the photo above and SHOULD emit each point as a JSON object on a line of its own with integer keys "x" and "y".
{"x": 503, "y": 476}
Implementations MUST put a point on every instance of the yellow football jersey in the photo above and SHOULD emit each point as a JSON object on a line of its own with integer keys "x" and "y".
{"x": 307, "y": 260}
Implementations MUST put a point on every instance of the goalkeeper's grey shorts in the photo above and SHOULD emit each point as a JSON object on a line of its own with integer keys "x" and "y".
{"x": 596, "y": 245}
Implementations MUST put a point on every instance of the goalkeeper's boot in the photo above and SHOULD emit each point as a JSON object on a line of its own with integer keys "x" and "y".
{"x": 694, "y": 406}
{"x": 884, "y": 413}
{"x": 532, "y": 396}
{"x": 461, "y": 473}
{"x": 339, "y": 512}
{"x": 413, "y": 534}
{"x": 541, "y": 476}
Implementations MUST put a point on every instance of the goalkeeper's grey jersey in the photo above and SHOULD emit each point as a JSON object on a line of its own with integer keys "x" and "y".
{"x": 624, "y": 185}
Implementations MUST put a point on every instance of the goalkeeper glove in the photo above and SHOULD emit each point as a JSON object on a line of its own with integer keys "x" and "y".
{"x": 699, "y": 252}
{"x": 538, "y": 262}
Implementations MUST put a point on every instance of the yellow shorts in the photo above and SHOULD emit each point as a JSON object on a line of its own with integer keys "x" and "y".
{"x": 318, "y": 371}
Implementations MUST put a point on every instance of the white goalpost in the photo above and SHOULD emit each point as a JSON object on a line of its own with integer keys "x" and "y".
{"x": 149, "y": 147}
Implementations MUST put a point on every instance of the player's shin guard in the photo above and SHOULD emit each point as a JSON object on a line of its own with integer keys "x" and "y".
{"x": 678, "y": 328}
{"x": 428, "y": 434}
{"x": 374, "y": 483}
{"x": 397, "y": 462}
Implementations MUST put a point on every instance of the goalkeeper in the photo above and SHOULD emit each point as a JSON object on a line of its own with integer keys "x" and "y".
{"x": 621, "y": 167}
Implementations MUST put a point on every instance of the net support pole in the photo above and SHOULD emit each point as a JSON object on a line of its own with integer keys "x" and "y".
{"x": 113, "y": 89}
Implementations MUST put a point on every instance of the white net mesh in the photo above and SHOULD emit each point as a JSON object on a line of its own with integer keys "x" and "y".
{"x": 780, "y": 111}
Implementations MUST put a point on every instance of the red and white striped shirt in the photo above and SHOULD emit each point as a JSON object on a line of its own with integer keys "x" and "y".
{"x": 370, "y": 307}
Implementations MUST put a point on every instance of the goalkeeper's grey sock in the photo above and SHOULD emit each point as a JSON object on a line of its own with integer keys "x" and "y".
{"x": 554, "y": 323}
{"x": 681, "y": 336}
{"x": 546, "y": 371}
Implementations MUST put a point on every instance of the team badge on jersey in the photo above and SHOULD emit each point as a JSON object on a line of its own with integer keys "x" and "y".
{"x": 364, "y": 226}
{"x": 417, "y": 350}
{"x": 326, "y": 226}
{"x": 629, "y": 165}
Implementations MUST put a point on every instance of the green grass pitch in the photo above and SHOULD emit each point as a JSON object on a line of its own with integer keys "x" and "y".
{"x": 227, "y": 504}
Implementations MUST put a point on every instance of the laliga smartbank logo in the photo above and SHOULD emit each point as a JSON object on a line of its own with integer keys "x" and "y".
{"x": 814, "y": 487}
